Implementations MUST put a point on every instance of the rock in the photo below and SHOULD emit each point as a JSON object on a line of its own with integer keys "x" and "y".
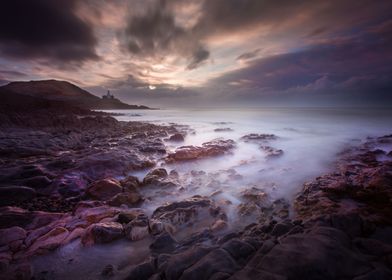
{"x": 163, "y": 243}
{"x": 177, "y": 263}
{"x": 104, "y": 189}
{"x": 130, "y": 183}
{"x": 178, "y": 137}
{"x": 271, "y": 152}
{"x": 137, "y": 229}
{"x": 95, "y": 214}
{"x": 190, "y": 211}
{"x": 254, "y": 137}
{"x": 126, "y": 198}
{"x": 351, "y": 224}
{"x": 104, "y": 232}
{"x": 129, "y": 215}
{"x": 238, "y": 249}
{"x": 14, "y": 216}
{"x": 216, "y": 261}
{"x": 10, "y": 195}
{"x": 155, "y": 175}
{"x": 208, "y": 149}
{"x": 50, "y": 241}
{"x": 11, "y": 234}
{"x": 219, "y": 225}
{"x": 323, "y": 253}
{"x": 224, "y": 129}
{"x": 280, "y": 229}
{"x": 142, "y": 271}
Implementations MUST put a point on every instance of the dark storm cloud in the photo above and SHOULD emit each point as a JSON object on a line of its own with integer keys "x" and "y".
{"x": 45, "y": 29}
{"x": 358, "y": 64}
{"x": 155, "y": 33}
{"x": 222, "y": 16}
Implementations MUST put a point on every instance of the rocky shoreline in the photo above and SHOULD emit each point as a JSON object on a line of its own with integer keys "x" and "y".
{"x": 65, "y": 177}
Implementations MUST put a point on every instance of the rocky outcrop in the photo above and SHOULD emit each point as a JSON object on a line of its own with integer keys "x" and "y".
{"x": 104, "y": 189}
{"x": 209, "y": 149}
{"x": 255, "y": 137}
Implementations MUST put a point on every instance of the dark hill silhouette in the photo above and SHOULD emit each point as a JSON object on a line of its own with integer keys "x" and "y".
{"x": 56, "y": 93}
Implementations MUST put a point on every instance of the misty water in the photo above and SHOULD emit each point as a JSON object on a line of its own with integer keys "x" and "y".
{"x": 310, "y": 139}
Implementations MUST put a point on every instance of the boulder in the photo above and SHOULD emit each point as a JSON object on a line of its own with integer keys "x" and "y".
{"x": 163, "y": 243}
{"x": 209, "y": 149}
{"x": 50, "y": 241}
{"x": 125, "y": 198}
{"x": 104, "y": 232}
{"x": 197, "y": 209}
{"x": 271, "y": 152}
{"x": 137, "y": 229}
{"x": 104, "y": 189}
{"x": 217, "y": 261}
{"x": 11, "y": 234}
{"x": 130, "y": 183}
{"x": 177, "y": 137}
{"x": 254, "y": 137}
{"x": 155, "y": 175}
{"x": 323, "y": 253}
{"x": 177, "y": 263}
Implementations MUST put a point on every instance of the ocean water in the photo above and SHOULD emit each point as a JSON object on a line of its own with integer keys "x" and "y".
{"x": 310, "y": 139}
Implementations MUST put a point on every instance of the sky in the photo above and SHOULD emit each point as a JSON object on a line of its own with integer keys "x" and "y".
{"x": 171, "y": 53}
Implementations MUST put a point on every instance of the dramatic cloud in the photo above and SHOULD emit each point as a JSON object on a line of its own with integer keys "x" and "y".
{"x": 178, "y": 51}
{"x": 155, "y": 32}
{"x": 44, "y": 28}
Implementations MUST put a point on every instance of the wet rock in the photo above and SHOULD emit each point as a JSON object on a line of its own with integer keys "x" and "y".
{"x": 281, "y": 229}
{"x": 163, "y": 243}
{"x": 190, "y": 211}
{"x": 11, "y": 234}
{"x": 208, "y": 149}
{"x": 238, "y": 249}
{"x": 155, "y": 175}
{"x": 126, "y": 198}
{"x": 104, "y": 232}
{"x": 130, "y": 183}
{"x": 95, "y": 214}
{"x": 104, "y": 189}
{"x": 129, "y": 215}
{"x": 271, "y": 152}
{"x": 14, "y": 216}
{"x": 176, "y": 264}
{"x": 137, "y": 229}
{"x": 176, "y": 138}
{"x": 216, "y": 261}
{"x": 254, "y": 137}
{"x": 322, "y": 254}
{"x": 351, "y": 224}
{"x": 219, "y": 225}
{"x": 50, "y": 241}
{"x": 223, "y": 129}
{"x": 9, "y": 195}
{"x": 142, "y": 271}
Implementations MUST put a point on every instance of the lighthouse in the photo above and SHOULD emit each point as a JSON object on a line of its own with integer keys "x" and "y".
{"x": 108, "y": 95}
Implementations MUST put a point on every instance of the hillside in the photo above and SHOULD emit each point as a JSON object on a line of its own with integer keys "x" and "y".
{"x": 60, "y": 91}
